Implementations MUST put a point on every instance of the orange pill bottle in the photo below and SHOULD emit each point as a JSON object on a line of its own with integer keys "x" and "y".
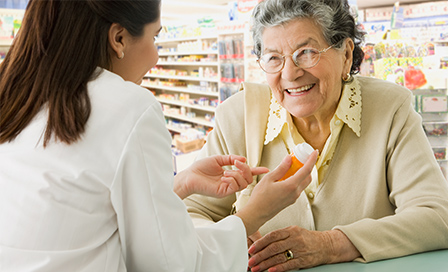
{"x": 299, "y": 156}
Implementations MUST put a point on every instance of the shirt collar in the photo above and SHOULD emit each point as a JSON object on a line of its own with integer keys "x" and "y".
{"x": 348, "y": 111}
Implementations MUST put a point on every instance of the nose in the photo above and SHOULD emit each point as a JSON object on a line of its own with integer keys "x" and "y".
{"x": 290, "y": 71}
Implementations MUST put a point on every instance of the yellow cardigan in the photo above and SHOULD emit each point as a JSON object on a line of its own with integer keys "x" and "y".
{"x": 384, "y": 189}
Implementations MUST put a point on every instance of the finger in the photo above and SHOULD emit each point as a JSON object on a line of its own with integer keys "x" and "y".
{"x": 263, "y": 242}
{"x": 233, "y": 158}
{"x": 228, "y": 187}
{"x": 237, "y": 176}
{"x": 312, "y": 159}
{"x": 254, "y": 237}
{"x": 281, "y": 169}
{"x": 259, "y": 170}
{"x": 245, "y": 171}
{"x": 303, "y": 175}
{"x": 228, "y": 160}
{"x": 272, "y": 255}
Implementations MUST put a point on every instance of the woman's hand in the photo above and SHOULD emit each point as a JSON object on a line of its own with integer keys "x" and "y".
{"x": 309, "y": 249}
{"x": 207, "y": 177}
{"x": 269, "y": 197}
{"x": 252, "y": 238}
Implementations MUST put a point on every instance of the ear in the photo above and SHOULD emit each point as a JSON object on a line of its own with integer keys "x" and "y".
{"x": 116, "y": 38}
{"x": 349, "y": 46}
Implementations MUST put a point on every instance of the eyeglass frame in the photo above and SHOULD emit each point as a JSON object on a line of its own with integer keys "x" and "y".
{"x": 293, "y": 60}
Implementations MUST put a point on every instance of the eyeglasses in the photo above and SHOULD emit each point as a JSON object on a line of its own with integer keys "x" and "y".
{"x": 305, "y": 58}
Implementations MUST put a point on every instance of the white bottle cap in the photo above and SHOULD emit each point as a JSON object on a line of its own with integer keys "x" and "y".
{"x": 303, "y": 151}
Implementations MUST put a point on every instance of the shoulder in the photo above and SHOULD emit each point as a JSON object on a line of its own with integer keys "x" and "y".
{"x": 380, "y": 90}
{"x": 250, "y": 95}
{"x": 119, "y": 104}
{"x": 109, "y": 90}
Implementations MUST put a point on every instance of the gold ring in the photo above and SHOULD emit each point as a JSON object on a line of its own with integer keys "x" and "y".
{"x": 289, "y": 255}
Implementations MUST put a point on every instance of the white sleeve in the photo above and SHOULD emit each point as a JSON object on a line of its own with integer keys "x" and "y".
{"x": 156, "y": 232}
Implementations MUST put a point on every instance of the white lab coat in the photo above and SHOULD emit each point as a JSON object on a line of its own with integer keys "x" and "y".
{"x": 106, "y": 203}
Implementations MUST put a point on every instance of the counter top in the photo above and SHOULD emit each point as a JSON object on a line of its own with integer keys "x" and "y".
{"x": 433, "y": 261}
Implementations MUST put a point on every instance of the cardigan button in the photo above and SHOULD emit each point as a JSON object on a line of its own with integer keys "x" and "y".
{"x": 310, "y": 195}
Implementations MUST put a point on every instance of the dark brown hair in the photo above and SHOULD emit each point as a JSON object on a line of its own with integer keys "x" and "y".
{"x": 53, "y": 57}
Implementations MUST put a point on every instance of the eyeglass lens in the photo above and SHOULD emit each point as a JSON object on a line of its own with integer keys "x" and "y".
{"x": 274, "y": 62}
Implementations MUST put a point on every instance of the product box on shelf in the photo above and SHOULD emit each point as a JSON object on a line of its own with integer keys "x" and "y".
{"x": 188, "y": 145}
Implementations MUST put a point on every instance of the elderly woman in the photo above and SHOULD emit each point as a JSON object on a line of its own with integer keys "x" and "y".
{"x": 377, "y": 190}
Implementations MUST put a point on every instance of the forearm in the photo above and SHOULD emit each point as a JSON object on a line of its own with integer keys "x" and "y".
{"x": 399, "y": 235}
{"x": 340, "y": 248}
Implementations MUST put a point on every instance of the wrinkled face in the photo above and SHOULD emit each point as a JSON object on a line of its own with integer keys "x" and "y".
{"x": 140, "y": 54}
{"x": 312, "y": 91}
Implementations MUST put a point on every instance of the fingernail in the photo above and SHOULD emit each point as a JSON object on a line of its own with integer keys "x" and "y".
{"x": 251, "y": 262}
{"x": 255, "y": 269}
{"x": 251, "y": 249}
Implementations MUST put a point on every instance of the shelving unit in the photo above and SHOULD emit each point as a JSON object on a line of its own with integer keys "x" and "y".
{"x": 185, "y": 81}
{"x": 195, "y": 74}
{"x": 413, "y": 51}
{"x": 432, "y": 104}
{"x": 10, "y": 20}
{"x": 231, "y": 62}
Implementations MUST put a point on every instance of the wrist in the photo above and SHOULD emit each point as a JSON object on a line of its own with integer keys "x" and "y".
{"x": 251, "y": 221}
{"x": 340, "y": 248}
{"x": 180, "y": 185}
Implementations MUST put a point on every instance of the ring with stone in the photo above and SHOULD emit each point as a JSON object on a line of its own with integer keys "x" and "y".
{"x": 289, "y": 255}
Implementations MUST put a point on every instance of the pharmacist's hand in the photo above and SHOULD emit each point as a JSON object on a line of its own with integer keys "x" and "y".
{"x": 207, "y": 177}
{"x": 269, "y": 197}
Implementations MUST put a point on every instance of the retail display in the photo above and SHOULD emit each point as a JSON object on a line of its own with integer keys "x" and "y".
{"x": 231, "y": 55}
{"x": 196, "y": 71}
{"x": 432, "y": 104}
{"x": 414, "y": 55}
{"x": 10, "y": 22}
{"x": 186, "y": 80}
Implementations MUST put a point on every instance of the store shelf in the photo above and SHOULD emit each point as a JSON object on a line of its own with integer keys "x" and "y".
{"x": 187, "y": 105}
{"x": 180, "y": 90}
{"x": 175, "y": 129}
{"x": 186, "y": 78}
{"x": 193, "y": 56}
{"x": 184, "y": 39}
{"x": 188, "y": 63}
{"x": 196, "y": 120}
{"x": 5, "y": 42}
{"x": 183, "y": 53}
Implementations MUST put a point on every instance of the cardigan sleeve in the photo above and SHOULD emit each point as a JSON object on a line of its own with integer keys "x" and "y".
{"x": 417, "y": 189}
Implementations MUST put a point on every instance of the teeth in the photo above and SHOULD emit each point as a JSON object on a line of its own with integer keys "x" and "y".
{"x": 301, "y": 89}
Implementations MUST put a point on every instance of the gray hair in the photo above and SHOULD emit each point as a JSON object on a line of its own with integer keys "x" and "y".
{"x": 332, "y": 16}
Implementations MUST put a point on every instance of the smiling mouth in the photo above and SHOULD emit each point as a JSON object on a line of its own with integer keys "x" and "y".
{"x": 301, "y": 89}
